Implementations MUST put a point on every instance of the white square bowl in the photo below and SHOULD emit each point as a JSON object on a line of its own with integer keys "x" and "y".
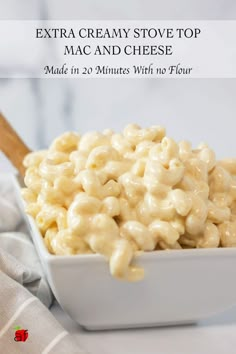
{"x": 180, "y": 286}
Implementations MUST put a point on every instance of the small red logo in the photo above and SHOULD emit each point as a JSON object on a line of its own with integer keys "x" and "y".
{"x": 21, "y": 335}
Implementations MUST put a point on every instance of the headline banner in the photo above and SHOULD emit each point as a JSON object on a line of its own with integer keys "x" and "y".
{"x": 115, "y": 49}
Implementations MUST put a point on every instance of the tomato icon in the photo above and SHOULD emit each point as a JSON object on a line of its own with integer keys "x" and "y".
{"x": 21, "y": 335}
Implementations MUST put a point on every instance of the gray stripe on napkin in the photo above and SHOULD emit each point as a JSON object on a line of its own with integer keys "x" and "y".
{"x": 45, "y": 334}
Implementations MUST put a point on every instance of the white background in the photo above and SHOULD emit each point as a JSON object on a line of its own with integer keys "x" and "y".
{"x": 198, "y": 110}
{"x": 195, "y": 109}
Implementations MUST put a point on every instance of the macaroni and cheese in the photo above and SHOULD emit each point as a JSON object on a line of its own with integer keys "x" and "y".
{"x": 119, "y": 194}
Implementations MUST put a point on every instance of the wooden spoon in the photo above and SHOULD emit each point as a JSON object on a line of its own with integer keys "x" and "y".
{"x": 12, "y": 145}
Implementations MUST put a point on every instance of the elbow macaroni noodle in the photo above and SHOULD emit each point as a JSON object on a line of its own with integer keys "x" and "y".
{"x": 119, "y": 194}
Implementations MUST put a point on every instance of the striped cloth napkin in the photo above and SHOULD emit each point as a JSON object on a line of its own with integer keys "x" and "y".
{"x": 26, "y": 325}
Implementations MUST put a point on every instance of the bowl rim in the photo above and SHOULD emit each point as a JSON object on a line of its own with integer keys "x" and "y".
{"x": 141, "y": 255}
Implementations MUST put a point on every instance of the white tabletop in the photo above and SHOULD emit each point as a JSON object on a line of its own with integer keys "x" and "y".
{"x": 216, "y": 335}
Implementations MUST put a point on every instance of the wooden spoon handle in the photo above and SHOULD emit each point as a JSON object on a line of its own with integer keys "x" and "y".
{"x": 12, "y": 145}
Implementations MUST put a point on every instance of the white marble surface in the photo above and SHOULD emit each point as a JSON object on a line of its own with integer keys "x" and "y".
{"x": 212, "y": 336}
